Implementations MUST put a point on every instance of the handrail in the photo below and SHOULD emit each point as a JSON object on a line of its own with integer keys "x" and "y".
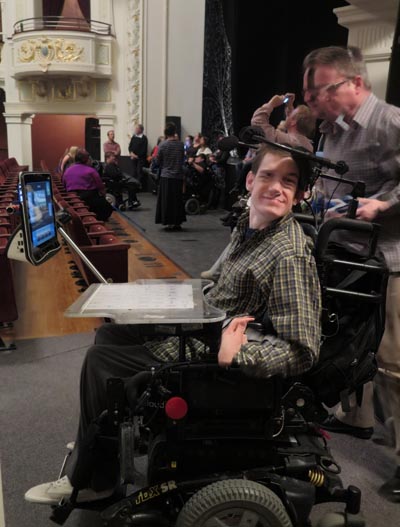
{"x": 62, "y": 23}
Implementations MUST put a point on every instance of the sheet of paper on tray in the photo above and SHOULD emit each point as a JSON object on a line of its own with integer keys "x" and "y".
{"x": 141, "y": 297}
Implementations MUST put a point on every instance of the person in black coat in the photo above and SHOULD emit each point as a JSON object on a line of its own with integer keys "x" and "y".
{"x": 138, "y": 151}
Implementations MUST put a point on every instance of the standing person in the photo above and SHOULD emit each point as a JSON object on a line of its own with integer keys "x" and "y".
{"x": 365, "y": 132}
{"x": 170, "y": 208}
{"x": 112, "y": 146}
{"x": 68, "y": 158}
{"x": 138, "y": 151}
{"x": 299, "y": 124}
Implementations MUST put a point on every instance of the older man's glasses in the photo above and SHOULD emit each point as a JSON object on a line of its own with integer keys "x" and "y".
{"x": 314, "y": 92}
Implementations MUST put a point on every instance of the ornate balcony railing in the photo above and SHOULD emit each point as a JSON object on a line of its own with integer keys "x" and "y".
{"x": 60, "y": 23}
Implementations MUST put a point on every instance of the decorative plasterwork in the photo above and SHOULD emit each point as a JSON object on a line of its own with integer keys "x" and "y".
{"x": 134, "y": 62}
{"x": 371, "y": 27}
{"x": 44, "y": 51}
{"x": 103, "y": 54}
{"x": 79, "y": 89}
{"x": 374, "y": 40}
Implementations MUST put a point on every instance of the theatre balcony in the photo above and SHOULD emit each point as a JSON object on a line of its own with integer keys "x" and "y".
{"x": 61, "y": 46}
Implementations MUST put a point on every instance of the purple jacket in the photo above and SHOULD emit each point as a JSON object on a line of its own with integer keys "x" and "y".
{"x": 82, "y": 177}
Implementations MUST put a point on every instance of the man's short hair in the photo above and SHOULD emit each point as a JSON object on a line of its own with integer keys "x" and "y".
{"x": 82, "y": 156}
{"x": 109, "y": 132}
{"x": 305, "y": 121}
{"x": 303, "y": 165}
{"x": 141, "y": 127}
{"x": 349, "y": 61}
{"x": 170, "y": 129}
{"x": 108, "y": 154}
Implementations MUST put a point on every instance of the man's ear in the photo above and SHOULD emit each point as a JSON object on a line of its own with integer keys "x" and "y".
{"x": 250, "y": 181}
{"x": 358, "y": 82}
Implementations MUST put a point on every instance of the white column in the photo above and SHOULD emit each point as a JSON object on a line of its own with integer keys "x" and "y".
{"x": 185, "y": 60}
{"x": 19, "y": 137}
{"x": 371, "y": 26}
{"x": 173, "y": 44}
{"x": 155, "y": 52}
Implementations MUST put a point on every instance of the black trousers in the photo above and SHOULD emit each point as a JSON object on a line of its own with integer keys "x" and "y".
{"x": 117, "y": 352}
{"x": 137, "y": 168}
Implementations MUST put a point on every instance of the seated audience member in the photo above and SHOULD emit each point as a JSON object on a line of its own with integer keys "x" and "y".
{"x": 195, "y": 146}
{"x": 240, "y": 184}
{"x": 190, "y": 150}
{"x": 113, "y": 175}
{"x": 203, "y": 147}
{"x": 198, "y": 178}
{"x": 111, "y": 146}
{"x": 269, "y": 269}
{"x": 300, "y": 123}
{"x": 68, "y": 158}
{"x": 85, "y": 181}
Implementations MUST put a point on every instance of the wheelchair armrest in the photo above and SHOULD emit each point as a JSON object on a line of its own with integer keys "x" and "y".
{"x": 349, "y": 225}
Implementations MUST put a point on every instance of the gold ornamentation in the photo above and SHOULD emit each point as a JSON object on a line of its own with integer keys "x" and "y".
{"x": 44, "y": 51}
{"x": 64, "y": 90}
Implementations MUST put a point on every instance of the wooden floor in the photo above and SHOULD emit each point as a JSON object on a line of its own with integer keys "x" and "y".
{"x": 44, "y": 292}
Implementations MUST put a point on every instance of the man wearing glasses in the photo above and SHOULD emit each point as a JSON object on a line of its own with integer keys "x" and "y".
{"x": 364, "y": 132}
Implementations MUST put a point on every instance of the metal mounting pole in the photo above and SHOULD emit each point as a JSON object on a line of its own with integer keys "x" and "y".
{"x": 73, "y": 245}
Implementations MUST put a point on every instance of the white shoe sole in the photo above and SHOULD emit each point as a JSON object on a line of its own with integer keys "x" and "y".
{"x": 38, "y": 495}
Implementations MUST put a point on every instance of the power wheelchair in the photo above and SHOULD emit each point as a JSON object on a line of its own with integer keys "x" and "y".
{"x": 224, "y": 449}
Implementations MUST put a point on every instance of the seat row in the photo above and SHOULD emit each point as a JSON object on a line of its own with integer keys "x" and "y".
{"x": 93, "y": 237}
{"x": 9, "y": 219}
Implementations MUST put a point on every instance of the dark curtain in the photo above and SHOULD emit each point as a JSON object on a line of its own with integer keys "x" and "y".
{"x": 393, "y": 84}
{"x": 217, "y": 96}
{"x": 268, "y": 42}
{"x": 85, "y": 8}
{"x": 52, "y": 7}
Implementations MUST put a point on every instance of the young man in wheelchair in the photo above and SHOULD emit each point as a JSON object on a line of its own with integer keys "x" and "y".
{"x": 270, "y": 269}
{"x": 117, "y": 182}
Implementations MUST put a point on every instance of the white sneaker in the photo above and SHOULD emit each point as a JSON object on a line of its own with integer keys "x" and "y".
{"x": 208, "y": 275}
{"x": 51, "y": 493}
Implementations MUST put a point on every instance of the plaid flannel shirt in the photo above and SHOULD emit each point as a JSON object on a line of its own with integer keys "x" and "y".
{"x": 271, "y": 272}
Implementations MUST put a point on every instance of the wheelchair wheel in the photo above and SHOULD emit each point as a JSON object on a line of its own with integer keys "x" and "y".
{"x": 111, "y": 199}
{"x": 126, "y": 452}
{"x": 192, "y": 206}
{"x": 234, "y": 502}
{"x": 121, "y": 207}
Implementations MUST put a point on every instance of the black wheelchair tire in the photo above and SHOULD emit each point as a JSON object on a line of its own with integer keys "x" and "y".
{"x": 192, "y": 206}
{"x": 234, "y": 497}
{"x": 121, "y": 207}
{"x": 126, "y": 453}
